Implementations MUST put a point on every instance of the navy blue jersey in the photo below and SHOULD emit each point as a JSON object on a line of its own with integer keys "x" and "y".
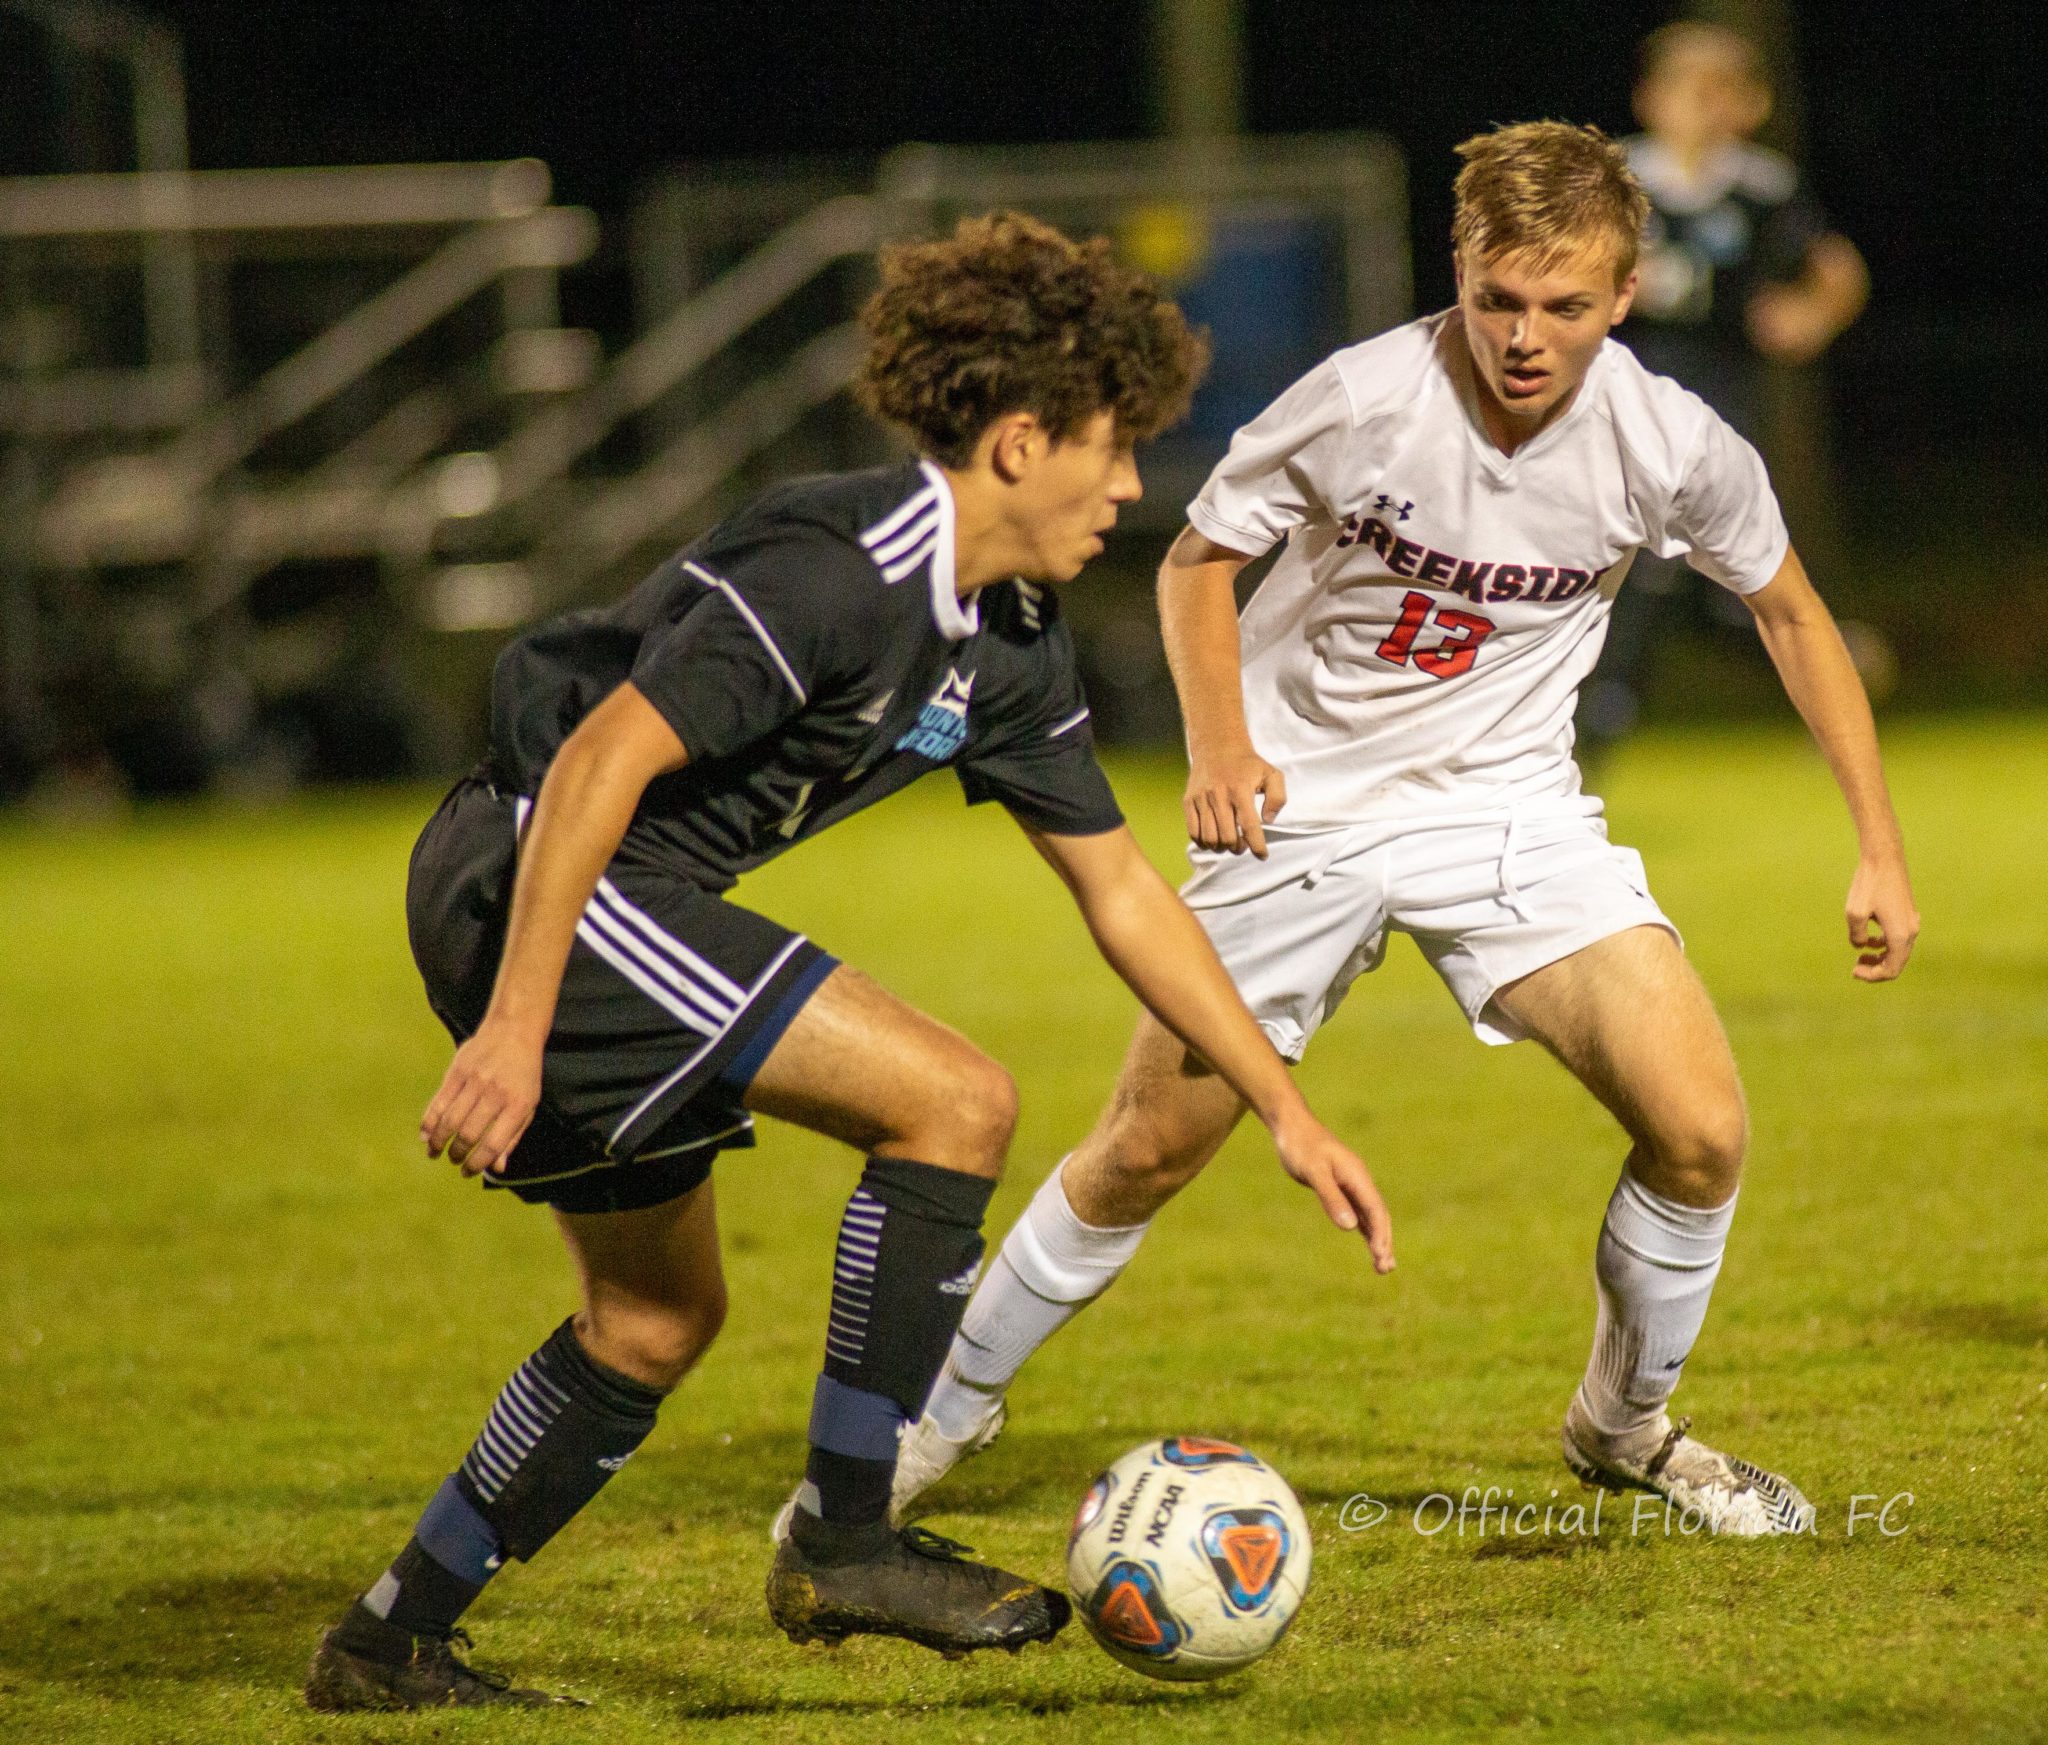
{"x": 1744, "y": 221}
{"x": 812, "y": 655}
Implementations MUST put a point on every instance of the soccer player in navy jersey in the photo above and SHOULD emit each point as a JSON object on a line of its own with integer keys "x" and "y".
{"x": 620, "y": 1021}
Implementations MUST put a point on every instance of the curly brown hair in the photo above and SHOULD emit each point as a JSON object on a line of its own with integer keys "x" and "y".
{"x": 1008, "y": 315}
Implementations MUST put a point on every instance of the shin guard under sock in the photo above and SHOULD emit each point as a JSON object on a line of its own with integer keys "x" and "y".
{"x": 1656, "y": 1266}
{"x": 1050, "y": 1267}
{"x": 909, "y": 1251}
{"x": 557, "y": 1432}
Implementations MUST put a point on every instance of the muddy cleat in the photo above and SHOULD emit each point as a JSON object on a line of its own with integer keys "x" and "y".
{"x": 1730, "y": 1495}
{"x": 903, "y": 1581}
{"x": 413, "y": 1672}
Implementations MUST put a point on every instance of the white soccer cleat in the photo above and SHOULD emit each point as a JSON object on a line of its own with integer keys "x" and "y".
{"x": 923, "y": 1457}
{"x": 926, "y": 1455}
{"x": 1729, "y": 1495}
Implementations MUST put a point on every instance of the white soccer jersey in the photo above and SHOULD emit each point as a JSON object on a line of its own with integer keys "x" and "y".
{"x": 1420, "y": 643}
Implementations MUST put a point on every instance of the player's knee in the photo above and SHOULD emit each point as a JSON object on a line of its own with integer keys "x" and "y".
{"x": 1152, "y": 1155}
{"x": 967, "y": 1122}
{"x": 986, "y": 1116}
{"x": 655, "y": 1343}
{"x": 1700, "y": 1158}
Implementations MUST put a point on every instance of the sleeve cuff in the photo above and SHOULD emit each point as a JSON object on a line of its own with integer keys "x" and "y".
{"x": 1748, "y": 586}
{"x": 1214, "y": 528}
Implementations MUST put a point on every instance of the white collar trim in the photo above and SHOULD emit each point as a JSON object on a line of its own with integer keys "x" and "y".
{"x": 957, "y": 619}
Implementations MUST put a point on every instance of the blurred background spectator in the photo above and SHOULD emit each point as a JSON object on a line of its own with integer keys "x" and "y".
{"x": 1741, "y": 271}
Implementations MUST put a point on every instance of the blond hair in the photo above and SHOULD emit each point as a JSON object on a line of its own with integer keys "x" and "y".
{"x": 1548, "y": 190}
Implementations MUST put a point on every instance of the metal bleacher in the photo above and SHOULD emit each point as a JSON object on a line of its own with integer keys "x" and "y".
{"x": 404, "y": 448}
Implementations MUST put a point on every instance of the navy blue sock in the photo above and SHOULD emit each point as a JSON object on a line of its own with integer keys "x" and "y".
{"x": 909, "y": 1249}
{"x": 562, "y": 1426}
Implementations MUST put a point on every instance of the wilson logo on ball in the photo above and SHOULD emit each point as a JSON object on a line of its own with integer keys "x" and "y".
{"x": 1129, "y": 1609}
{"x": 1201, "y": 1451}
{"x": 1247, "y": 1548}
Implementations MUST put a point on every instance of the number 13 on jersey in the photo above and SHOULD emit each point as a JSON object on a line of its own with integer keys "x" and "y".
{"x": 1446, "y": 659}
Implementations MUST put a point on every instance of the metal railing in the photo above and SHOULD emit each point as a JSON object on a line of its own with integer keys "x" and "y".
{"x": 146, "y": 506}
{"x": 488, "y": 496}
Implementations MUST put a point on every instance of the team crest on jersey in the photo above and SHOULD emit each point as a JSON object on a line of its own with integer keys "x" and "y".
{"x": 941, "y": 727}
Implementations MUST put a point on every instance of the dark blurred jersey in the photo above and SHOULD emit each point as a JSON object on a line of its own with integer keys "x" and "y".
{"x": 1714, "y": 239}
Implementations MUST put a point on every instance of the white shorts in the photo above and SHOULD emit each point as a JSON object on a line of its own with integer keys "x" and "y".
{"x": 1488, "y": 900}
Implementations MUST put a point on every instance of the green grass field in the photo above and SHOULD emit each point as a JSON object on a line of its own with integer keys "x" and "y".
{"x": 245, "y": 1328}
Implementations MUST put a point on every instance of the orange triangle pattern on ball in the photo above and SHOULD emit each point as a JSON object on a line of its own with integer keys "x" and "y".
{"x": 1253, "y": 1553}
{"x": 1126, "y": 1617}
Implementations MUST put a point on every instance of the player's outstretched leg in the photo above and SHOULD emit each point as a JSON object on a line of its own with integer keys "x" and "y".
{"x": 935, "y": 1117}
{"x": 1631, "y": 1020}
{"x": 569, "y": 1418}
{"x": 1168, "y": 1117}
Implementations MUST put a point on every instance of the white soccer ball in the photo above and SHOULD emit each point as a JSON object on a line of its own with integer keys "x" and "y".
{"x": 1188, "y": 1558}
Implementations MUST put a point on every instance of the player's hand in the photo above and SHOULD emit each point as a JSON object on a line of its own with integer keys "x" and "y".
{"x": 1788, "y": 325}
{"x": 1883, "y": 922}
{"x": 486, "y": 1100}
{"x": 1322, "y": 1163}
{"x": 1231, "y": 798}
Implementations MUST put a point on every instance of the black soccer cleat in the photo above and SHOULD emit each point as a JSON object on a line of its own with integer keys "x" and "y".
{"x": 430, "y": 1677}
{"x": 904, "y": 1581}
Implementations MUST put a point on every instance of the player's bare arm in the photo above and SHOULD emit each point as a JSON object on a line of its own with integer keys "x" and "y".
{"x": 1148, "y": 937}
{"x": 1795, "y": 323}
{"x": 1232, "y": 791}
{"x": 1819, "y": 677}
{"x": 492, "y": 1086}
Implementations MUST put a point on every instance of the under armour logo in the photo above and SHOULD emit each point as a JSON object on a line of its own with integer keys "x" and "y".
{"x": 1386, "y": 505}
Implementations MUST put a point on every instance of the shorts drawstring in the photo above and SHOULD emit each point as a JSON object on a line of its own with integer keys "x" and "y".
{"x": 1324, "y": 861}
{"x": 1511, "y": 893}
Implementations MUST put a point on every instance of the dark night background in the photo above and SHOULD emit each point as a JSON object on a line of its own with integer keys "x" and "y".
{"x": 1923, "y": 128}
{"x": 1921, "y": 132}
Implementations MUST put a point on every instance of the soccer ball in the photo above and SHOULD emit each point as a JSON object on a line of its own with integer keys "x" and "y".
{"x": 1188, "y": 1558}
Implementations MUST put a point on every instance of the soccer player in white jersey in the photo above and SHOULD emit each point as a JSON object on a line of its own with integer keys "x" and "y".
{"x": 1384, "y": 744}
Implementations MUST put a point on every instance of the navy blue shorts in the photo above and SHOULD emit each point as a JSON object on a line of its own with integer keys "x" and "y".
{"x": 671, "y": 1001}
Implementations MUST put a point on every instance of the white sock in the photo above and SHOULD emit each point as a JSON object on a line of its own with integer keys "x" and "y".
{"x": 1049, "y": 1267}
{"x": 1656, "y": 1269}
